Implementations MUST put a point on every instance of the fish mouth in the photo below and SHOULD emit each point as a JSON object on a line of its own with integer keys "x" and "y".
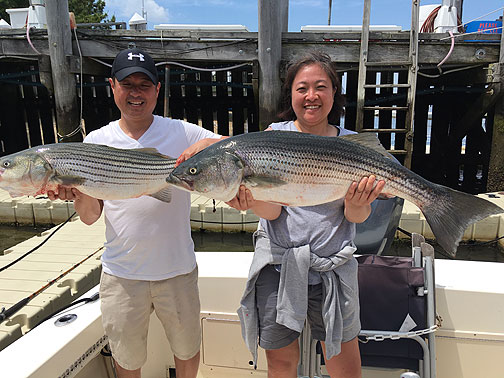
{"x": 174, "y": 180}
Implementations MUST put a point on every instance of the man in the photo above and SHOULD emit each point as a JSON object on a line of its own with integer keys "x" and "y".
{"x": 149, "y": 261}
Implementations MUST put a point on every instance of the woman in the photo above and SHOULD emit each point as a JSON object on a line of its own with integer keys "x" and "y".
{"x": 303, "y": 266}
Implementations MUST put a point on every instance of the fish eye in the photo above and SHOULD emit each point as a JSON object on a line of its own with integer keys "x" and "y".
{"x": 6, "y": 164}
{"x": 193, "y": 170}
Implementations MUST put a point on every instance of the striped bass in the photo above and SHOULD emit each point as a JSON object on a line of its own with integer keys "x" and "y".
{"x": 99, "y": 171}
{"x": 299, "y": 169}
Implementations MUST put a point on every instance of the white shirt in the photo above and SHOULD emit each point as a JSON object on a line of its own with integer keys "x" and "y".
{"x": 147, "y": 239}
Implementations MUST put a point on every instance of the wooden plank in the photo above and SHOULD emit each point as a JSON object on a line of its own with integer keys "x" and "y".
{"x": 418, "y": 161}
{"x": 385, "y": 116}
{"x": 191, "y": 97}
{"x": 206, "y": 99}
{"x": 59, "y": 38}
{"x": 12, "y": 126}
{"x": 176, "y": 100}
{"x": 367, "y": 116}
{"x": 439, "y": 136}
{"x": 432, "y": 53}
{"x": 400, "y": 139}
{"x": 363, "y": 59}
{"x": 351, "y": 96}
{"x": 223, "y": 104}
{"x": 45, "y": 111}
{"x": 238, "y": 109}
{"x": 406, "y": 142}
{"x": 269, "y": 55}
{"x": 29, "y": 101}
{"x": 253, "y": 95}
{"x": 496, "y": 165}
{"x": 345, "y": 52}
{"x": 99, "y": 107}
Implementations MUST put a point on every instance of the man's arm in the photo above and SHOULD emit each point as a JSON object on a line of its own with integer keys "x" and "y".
{"x": 88, "y": 208}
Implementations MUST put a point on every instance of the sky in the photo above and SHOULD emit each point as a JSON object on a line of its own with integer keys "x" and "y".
{"x": 301, "y": 12}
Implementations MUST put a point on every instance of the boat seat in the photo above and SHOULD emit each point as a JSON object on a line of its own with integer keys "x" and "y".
{"x": 397, "y": 308}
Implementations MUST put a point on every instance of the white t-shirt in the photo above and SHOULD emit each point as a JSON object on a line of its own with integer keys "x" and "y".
{"x": 147, "y": 239}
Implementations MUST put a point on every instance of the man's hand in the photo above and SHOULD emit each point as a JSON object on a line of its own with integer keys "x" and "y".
{"x": 194, "y": 148}
{"x": 65, "y": 193}
{"x": 88, "y": 208}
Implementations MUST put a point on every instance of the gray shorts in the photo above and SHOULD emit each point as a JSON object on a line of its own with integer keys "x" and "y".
{"x": 273, "y": 335}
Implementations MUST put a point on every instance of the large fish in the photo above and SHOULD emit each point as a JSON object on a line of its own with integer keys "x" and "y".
{"x": 298, "y": 169}
{"x": 99, "y": 171}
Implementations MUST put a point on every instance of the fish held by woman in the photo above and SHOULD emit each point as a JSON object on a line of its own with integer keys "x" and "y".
{"x": 99, "y": 171}
{"x": 299, "y": 169}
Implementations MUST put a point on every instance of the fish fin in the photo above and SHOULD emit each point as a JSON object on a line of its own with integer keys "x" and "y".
{"x": 385, "y": 196}
{"x": 369, "y": 140}
{"x": 452, "y": 212}
{"x": 263, "y": 180}
{"x": 68, "y": 180}
{"x": 152, "y": 151}
{"x": 163, "y": 195}
{"x": 279, "y": 203}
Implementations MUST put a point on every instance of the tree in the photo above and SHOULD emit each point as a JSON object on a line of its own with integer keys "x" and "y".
{"x": 85, "y": 11}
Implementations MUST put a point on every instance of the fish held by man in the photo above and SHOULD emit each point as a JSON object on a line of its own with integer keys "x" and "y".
{"x": 99, "y": 171}
{"x": 299, "y": 169}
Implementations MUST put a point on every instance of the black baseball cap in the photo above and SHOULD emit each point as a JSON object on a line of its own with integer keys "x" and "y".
{"x": 131, "y": 61}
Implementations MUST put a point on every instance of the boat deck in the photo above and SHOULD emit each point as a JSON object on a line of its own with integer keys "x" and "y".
{"x": 75, "y": 241}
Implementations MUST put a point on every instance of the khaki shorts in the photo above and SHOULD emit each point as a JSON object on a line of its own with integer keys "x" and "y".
{"x": 126, "y": 306}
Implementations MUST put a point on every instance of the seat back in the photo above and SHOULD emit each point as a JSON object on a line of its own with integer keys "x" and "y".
{"x": 389, "y": 302}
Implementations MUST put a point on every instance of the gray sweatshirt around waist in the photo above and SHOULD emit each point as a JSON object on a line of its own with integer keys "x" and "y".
{"x": 338, "y": 273}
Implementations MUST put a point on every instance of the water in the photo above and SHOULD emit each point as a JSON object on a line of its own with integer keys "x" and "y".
{"x": 468, "y": 251}
{"x": 207, "y": 241}
{"x": 204, "y": 241}
{"x": 10, "y": 236}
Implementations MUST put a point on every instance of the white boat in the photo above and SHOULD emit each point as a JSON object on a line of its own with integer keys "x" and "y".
{"x": 469, "y": 341}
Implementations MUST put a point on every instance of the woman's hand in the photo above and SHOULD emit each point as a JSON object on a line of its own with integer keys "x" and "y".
{"x": 359, "y": 197}
{"x": 244, "y": 200}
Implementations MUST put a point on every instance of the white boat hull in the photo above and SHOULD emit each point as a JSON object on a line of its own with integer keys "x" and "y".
{"x": 470, "y": 342}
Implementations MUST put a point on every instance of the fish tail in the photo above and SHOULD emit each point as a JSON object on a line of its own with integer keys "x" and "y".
{"x": 451, "y": 212}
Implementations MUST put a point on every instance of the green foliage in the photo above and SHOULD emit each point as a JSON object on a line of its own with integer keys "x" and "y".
{"x": 87, "y": 11}
{"x": 7, "y": 4}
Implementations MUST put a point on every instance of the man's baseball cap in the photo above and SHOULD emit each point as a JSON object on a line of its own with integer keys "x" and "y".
{"x": 131, "y": 61}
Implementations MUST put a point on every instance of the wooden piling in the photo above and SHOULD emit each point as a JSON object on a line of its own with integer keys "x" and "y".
{"x": 496, "y": 167}
{"x": 269, "y": 56}
{"x": 60, "y": 46}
